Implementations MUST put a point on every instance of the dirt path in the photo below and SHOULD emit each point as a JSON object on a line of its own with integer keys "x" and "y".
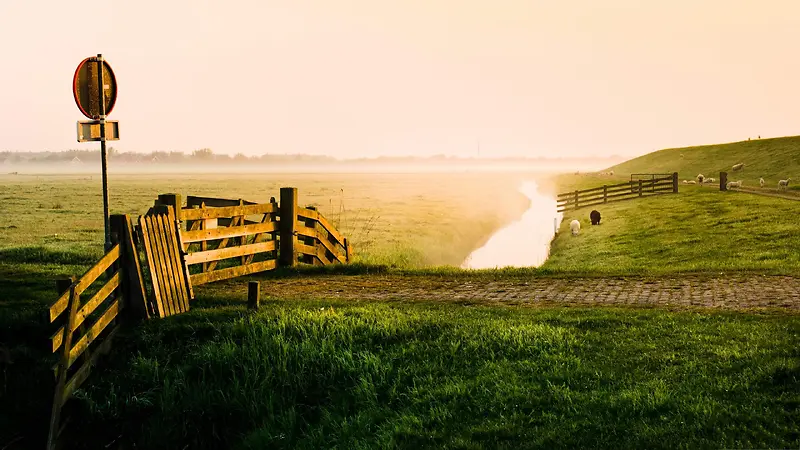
{"x": 739, "y": 292}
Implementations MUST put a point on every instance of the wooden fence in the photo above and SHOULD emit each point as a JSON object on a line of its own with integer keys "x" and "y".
{"x": 85, "y": 329}
{"x": 642, "y": 187}
{"x": 218, "y": 238}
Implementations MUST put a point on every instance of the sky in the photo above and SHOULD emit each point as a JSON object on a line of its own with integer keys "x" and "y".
{"x": 366, "y": 78}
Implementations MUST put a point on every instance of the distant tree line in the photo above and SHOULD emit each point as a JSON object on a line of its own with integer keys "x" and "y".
{"x": 207, "y": 156}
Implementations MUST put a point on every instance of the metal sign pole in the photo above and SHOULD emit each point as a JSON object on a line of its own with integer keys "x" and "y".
{"x": 103, "y": 156}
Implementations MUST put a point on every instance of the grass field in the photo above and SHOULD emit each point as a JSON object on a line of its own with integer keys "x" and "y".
{"x": 316, "y": 373}
{"x": 403, "y": 220}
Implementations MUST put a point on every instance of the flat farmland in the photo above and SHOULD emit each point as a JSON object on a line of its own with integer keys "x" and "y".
{"x": 399, "y": 220}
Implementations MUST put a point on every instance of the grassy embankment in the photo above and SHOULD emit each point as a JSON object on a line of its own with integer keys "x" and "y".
{"x": 699, "y": 230}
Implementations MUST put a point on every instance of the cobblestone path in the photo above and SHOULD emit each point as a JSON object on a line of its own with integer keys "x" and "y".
{"x": 725, "y": 292}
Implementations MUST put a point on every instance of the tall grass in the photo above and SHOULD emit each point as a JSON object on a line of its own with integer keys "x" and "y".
{"x": 320, "y": 375}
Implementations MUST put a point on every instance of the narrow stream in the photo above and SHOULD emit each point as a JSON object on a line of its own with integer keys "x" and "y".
{"x": 524, "y": 243}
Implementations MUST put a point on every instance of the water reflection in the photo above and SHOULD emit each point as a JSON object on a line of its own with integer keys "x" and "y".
{"x": 523, "y": 243}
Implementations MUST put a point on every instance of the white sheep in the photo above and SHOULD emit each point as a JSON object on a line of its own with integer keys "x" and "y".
{"x": 784, "y": 184}
{"x": 700, "y": 178}
{"x": 734, "y": 184}
{"x": 692, "y": 182}
{"x": 685, "y": 181}
{"x": 575, "y": 226}
{"x": 710, "y": 180}
{"x": 761, "y": 182}
{"x": 738, "y": 166}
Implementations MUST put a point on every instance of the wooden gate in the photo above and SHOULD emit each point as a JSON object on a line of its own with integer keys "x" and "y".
{"x": 168, "y": 273}
{"x": 86, "y": 328}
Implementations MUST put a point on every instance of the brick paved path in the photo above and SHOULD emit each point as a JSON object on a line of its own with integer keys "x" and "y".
{"x": 729, "y": 292}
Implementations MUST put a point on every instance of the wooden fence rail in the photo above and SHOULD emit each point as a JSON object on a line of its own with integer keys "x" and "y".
{"x": 85, "y": 329}
{"x": 642, "y": 187}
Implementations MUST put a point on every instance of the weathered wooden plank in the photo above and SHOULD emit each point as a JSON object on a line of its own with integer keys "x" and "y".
{"x": 166, "y": 262}
{"x": 171, "y": 260}
{"x": 229, "y": 252}
{"x": 152, "y": 267}
{"x": 158, "y": 261}
{"x": 179, "y": 267}
{"x": 234, "y": 231}
{"x": 308, "y": 213}
{"x": 306, "y": 249}
{"x": 95, "y": 330}
{"x": 73, "y": 301}
{"x": 228, "y": 211}
{"x": 232, "y": 272}
{"x": 331, "y": 229}
{"x": 192, "y": 200}
{"x": 87, "y": 309}
{"x": 235, "y": 221}
{"x": 85, "y": 281}
{"x": 80, "y": 376}
{"x": 321, "y": 237}
{"x": 133, "y": 272}
{"x": 185, "y": 267}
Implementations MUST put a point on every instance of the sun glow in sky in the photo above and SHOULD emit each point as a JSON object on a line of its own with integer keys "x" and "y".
{"x": 352, "y": 78}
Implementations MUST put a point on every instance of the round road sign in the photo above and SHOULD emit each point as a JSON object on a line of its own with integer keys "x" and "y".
{"x": 86, "y": 88}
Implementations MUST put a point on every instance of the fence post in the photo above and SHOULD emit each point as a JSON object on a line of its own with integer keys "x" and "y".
{"x": 675, "y": 182}
{"x": 287, "y": 255}
{"x": 640, "y": 188}
{"x": 131, "y": 280}
{"x": 605, "y": 193}
{"x": 253, "y": 295}
{"x": 173, "y": 200}
{"x": 723, "y": 181}
{"x": 576, "y": 199}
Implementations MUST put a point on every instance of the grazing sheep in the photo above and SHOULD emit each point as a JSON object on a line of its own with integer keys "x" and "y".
{"x": 734, "y": 184}
{"x": 738, "y": 166}
{"x": 692, "y": 182}
{"x": 595, "y": 217}
{"x": 575, "y": 226}
{"x": 761, "y": 182}
{"x": 710, "y": 180}
{"x": 685, "y": 181}
{"x": 784, "y": 184}
{"x": 700, "y": 178}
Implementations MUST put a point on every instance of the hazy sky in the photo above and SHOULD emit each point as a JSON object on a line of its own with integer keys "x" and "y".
{"x": 407, "y": 77}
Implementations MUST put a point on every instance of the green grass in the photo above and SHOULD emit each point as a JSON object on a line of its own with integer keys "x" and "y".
{"x": 698, "y": 230}
{"x": 316, "y": 374}
{"x": 774, "y": 159}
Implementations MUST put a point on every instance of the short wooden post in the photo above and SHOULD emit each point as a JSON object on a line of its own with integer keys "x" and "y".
{"x": 640, "y": 188}
{"x": 63, "y": 365}
{"x": 287, "y": 255}
{"x": 576, "y": 199}
{"x": 723, "y": 181}
{"x": 346, "y": 251}
{"x": 253, "y": 295}
{"x": 674, "y": 182}
{"x": 605, "y": 193}
{"x": 173, "y": 200}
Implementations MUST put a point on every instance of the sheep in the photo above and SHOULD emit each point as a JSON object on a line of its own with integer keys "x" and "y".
{"x": 710, "y": 180}
{"x": 784, "y": 184}
{"x": 734, "y": 184}
{"x": 700, "y": 178}
{"x": 692, "y": 182}
{"x": 761, "y": 182}
{"x": 575, "y": 226}
{"x": 685, "y": 181}
{"x": 595, "y": 217}
{"x": 738, "y": 166}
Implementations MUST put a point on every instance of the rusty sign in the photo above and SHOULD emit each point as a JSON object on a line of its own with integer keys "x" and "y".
{"x": 89, "y": 131}
{"x": 86, "y": 88}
